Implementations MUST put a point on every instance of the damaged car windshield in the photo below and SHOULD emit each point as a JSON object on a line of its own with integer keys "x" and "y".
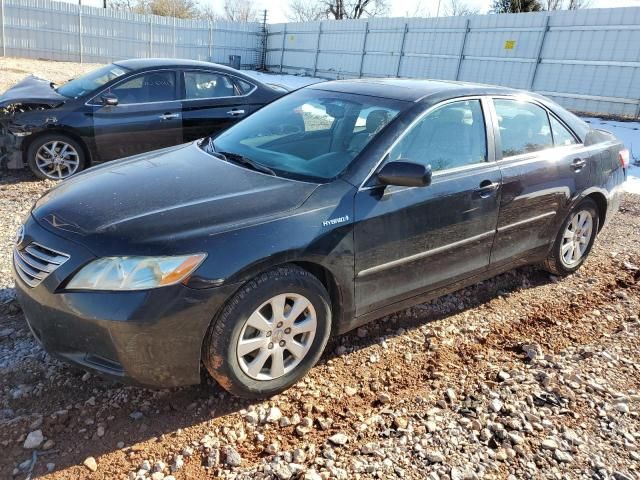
{"x": 89, "y": 82}
{"x": 309, "y": 135}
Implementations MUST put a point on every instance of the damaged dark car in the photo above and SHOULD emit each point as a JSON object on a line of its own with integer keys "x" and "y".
{"x": 121, "y": 109}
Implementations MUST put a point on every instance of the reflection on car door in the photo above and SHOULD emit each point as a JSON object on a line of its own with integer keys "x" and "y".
{"x": 147, "y": 117}
{"x": 543, "y": 167}
{"x": 410, "y": 240}
{"x": 213, "y": 101}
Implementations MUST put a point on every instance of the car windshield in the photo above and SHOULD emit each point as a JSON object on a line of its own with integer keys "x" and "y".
{"x": 309, "y": 135}
{"x": 88, "y": 82}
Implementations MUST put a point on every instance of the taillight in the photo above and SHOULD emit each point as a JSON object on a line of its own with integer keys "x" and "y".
{"x": 624, "y": 158}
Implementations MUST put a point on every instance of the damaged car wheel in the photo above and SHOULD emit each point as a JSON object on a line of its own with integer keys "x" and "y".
{"x": 55, "y": 157}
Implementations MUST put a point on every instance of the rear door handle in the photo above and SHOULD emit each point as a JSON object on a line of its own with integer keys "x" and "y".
{"x": 578, "y": 164}
{"x": 169, "y": 116}
{"x": 487, "y": 187}
{"x": 235, "y": 112}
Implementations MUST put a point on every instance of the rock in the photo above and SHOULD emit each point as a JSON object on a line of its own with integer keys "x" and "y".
{"x": 503, "y": 376}
{"x": 561, "y": 456}
{"x": 231, "y": 456}
{"x": 515, "y": 438}
{"x": 159, "y": 466}
{"x": 549, "y": 444}
{"x": 495, "y": 405}
{"x": 90, "y": 463}
{"x": 157, "y": 476}
{"x": 274, "y": 415}
{"x": 339, "y": 439}
{"x": 187, "y": 451}
{"x": 100, "y": 431}
{"x": 312, "y": 475}
{"x": 273, "y": 448}
{"x": 350, "y": 391}
{"x": 502, "y": 454}
{"x": 282, "y": 471}
{"x": 533, "y": 351}
{"x": 178, "y": 463}
{"x": 622, "y": 407}
{"x": 435, "y": 457}
{"x": 384, "y": 398}
{"x": 252, "y": 417}
{"x": 136, "y": 415}
{"x": 51, "y": 467}
{"x": 299, "y": 456}
{"x": 213, "y": 459}
{"x": 34, "y": 439}
{"x": 401, "y": 422}
{"x": 120, "y": 445}
{"x": 451, "y": 395}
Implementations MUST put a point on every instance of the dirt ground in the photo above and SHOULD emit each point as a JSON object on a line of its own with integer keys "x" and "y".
{"x": 522, "y": 376}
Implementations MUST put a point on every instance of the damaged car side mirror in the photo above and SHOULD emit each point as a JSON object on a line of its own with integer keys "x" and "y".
{"x": 109, "y": 100}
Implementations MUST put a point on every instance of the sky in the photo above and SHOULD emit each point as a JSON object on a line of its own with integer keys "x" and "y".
{"x": 277, "y": 9}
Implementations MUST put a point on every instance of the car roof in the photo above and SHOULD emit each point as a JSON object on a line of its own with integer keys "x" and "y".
{"x": 144, "y": 63}
{"x": 411, "y": 90}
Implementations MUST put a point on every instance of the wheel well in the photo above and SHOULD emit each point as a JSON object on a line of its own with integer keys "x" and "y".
{"x": 32, "y": 138}
{"x": 601, "y": 202}
{"x": 329, "y": 282}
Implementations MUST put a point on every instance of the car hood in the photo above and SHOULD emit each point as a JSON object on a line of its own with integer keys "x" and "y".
{"x": 32, "y": 90}
{"x": 164, "y": 196}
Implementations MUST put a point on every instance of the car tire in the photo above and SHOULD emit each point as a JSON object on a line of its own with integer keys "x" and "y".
{"x": 251, "y": 319}
{"x": 65, "y": 155}
{"x": 569, "y": 252}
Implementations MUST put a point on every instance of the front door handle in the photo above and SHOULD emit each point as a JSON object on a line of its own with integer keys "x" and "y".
{"x": 169, "y": 116}
{"x": 486, "y": 188}
{"x": 235, "y": 112}
{"x": 578, "y": 164}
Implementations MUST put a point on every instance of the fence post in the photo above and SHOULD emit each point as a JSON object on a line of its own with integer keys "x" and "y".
{"x": 364, "y": 48}
{"x": 404, "y": 36}
{"x": 4, "y": 37}
{"x": 464, "y": 42}
{"x": 315, "y": 62}
{"x": 284, "y": 37}
{"x": 150, "y": 36}
{"x": 210, "y": 41}
{"x": 539, "y": 58}
{"x": 175, "y": 40}
{"x": 80, "y": 31}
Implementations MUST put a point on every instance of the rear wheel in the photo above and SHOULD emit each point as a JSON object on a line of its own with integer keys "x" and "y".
{"x": 270, "y": 333}
{"x": 55, "y": 157}
{"x": 575, "y": 239}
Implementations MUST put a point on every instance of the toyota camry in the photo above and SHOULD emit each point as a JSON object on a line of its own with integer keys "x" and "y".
{"x": 243, "y": 252}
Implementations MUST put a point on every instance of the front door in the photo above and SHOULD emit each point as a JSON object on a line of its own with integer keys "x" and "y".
{"x": 147, "y": 117}
{"x": 411, "y": 240}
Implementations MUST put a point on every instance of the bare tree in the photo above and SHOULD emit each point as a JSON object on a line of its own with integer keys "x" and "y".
{"x": 240, "y": 11}
{"x": 578, "y": 4}
{"x": 305, "y": 11}
{"x": 516, "y": 6}
{"x": 552, "y": 5}
{"x": 459, "y": 8}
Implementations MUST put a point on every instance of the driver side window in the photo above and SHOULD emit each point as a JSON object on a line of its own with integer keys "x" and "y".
{"x": 450, "y": 136}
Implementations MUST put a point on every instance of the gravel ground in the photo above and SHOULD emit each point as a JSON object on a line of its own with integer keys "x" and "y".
{"x": 522, "y": 376}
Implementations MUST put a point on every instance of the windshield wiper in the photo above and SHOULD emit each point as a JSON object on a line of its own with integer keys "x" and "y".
{"x": 236, "y": 158}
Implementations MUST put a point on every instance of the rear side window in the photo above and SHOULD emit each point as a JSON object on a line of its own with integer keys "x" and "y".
{"x": 148, "y": 87}
{"x": 243, "y": 87}
{"x": 450, "y": 136}
{"x": 524, "y": 127}
{"x": 561, "y": 136}
{"x": 208, "y": 85}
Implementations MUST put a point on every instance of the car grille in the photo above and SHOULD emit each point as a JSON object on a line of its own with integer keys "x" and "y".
{"x": 36, "y": 262}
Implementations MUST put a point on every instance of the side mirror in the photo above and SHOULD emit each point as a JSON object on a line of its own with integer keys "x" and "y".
{"x": 109, "y": 100}
{"x": 405, "y": 174}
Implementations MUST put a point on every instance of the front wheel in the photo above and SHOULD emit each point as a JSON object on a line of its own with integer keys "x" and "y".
{"x": 270, "y": 333}
{"x": 55, "y": 157}
{"x": 575, "y": 239}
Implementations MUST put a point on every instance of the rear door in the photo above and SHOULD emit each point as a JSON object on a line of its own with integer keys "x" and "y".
{"x": 411, "y": 240}
{"x": 213, "y": 101}
{"x": 543, "y": 167}
{"x": 147, "y": 117}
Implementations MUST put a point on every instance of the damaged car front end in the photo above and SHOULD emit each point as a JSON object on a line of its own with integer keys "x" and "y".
{"x": 24, "y": 111}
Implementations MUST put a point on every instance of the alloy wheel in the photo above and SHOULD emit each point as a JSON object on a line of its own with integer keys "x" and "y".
{"x": 57, "y": 160}
{"x": 277, "y": 336}
{"x": 576, "y": 238}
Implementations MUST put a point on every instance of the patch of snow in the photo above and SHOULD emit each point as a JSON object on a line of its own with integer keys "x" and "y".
{"x": 629, "y": 133}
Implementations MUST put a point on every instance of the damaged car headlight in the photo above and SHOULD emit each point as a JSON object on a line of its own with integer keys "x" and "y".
{"x": 135, "y": 273}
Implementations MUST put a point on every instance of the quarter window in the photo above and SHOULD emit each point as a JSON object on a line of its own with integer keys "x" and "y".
{"x": 561, "y": 136}
{"x": 450, "y": 136}
{"x": 208, "y": 85}
{"x": 149, "y": 87}
{"x": 524, "y": 127}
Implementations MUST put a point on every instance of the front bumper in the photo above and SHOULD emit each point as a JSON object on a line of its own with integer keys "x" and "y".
{"x": 150, "y": 338}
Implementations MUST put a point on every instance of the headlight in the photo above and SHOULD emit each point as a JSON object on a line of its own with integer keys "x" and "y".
{"x": 134, "y": 273}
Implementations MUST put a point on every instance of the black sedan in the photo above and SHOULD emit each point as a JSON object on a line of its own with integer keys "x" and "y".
{"x": 244, "y": 252}
{"x": 121, "y": 109}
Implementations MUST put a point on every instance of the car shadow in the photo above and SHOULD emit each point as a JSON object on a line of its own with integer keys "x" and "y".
{"x": 72, "y": 404}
